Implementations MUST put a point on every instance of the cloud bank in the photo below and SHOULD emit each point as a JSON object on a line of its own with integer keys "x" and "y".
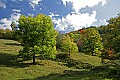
{"x": 74, "y": 21}
{"x": 77, "y": 20}
{"x": 78, "y": 4}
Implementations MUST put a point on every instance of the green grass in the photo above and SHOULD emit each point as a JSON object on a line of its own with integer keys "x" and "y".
{"x": 93, "y": 60}
{"x": 13, "y": 68}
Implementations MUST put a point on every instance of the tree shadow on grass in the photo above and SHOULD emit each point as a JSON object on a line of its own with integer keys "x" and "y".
{"x": 10, "y": 60}
{"x": 68, "y": 75}
{"x": 97, "y": 73}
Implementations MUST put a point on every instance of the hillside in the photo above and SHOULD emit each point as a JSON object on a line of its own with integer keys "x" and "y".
{"x": 14, "y": 68}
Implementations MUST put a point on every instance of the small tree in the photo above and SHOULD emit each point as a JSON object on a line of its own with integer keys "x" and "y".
{"x": 2, "y": 32}
{"x": 59, "y": 41}
{"x": 68, "y": 45}
{"x": 38, "y": 36}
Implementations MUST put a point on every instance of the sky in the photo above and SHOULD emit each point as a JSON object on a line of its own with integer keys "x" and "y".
{"x": 67, "y": 15}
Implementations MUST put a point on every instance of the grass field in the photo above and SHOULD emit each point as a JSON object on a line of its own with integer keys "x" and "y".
{"x": 14, "y": 68}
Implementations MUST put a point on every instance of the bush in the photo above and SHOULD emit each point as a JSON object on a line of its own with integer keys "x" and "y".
{"x": 62, "y": 57}
{"x": 78, "y": 64}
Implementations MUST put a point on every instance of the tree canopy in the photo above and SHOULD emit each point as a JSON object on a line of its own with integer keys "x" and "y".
{"x": 38, "y": 35}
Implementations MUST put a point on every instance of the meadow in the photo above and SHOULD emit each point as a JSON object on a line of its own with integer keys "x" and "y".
{"x": 12, "y": 67}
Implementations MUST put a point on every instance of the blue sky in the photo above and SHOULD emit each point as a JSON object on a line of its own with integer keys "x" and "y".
{"x": 67, "y": 15}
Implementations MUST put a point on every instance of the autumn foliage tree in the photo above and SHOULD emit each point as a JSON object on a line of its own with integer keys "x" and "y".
{"x": 38, "y": 36}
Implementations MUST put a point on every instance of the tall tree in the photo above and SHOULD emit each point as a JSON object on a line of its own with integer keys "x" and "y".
{"x": 38, "y": 36}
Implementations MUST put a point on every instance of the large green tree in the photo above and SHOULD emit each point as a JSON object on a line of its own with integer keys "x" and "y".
{"x": 38, "y": 36}
{"x": 91, "y": 41}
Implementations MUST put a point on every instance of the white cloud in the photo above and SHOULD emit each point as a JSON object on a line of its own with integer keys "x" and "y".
{"x": 34, "y": 2}
{"x": 15, "y": 16}
{"x": 78, "y": 4}
{"x": 53, "y": 15}
{"x": 74, "y": 21}
{"x": 6, "y": 22}
{"x": 16, "y": 10}
{"x": 30, "y": 14}
{"x": 77, "y": 20}
{"x": 2, "y": 5}
{"x": 40, "y": 8}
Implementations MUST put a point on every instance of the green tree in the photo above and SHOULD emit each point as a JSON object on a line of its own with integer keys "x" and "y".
{"x": 2, "y": 31}
{"x": 114, "y": 33}
{"x": 38, "y": 36}
{"x": 111, "y": 34}
{"x": 59, "y": 41}
{"x": 75, "y": 36}
{"x": 68, "y": 45}
{"x": 116, "y": 42}
{"x": 91, "y": 41}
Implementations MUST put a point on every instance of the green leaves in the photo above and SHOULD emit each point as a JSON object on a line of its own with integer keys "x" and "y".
{"x": 91, "y": 41}
{"x": 110, "y": 34}
{"x": 38, "y": 35}
{"x": 68, "y": 46}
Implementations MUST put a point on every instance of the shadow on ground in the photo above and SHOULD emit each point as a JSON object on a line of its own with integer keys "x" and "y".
{"x": 69, "y": 75}
{"x": 10, "y": 60}
{"x": 97, "y": 73}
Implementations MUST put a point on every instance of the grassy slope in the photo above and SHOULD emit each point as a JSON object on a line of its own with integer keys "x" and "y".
{"x": 93, "y": 60}
{"x": 12, "y": 68}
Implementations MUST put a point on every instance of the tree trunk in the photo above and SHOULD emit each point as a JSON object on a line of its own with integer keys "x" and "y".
{"x": 69, "y": 52}
{"x": 93, "y": 51}
{"x": 34, "y": 59}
